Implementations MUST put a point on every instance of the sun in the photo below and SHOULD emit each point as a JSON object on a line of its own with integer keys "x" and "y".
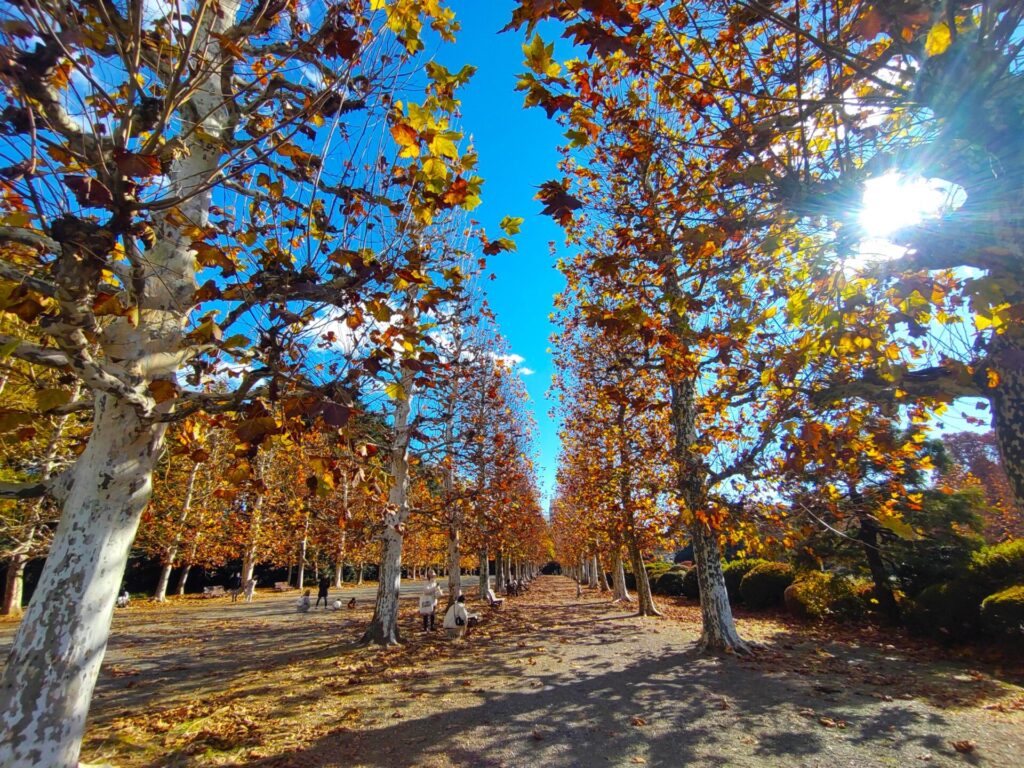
{"x": 893, "y": 201}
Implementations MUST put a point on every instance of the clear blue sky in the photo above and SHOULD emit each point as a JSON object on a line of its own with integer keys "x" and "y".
{"x": 517, "y": 150}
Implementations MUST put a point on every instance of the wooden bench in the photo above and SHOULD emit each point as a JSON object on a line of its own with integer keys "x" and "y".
{"x": 282, "y": 586}
{"x": 217, "y": 591}
{"x": 493, "y": 600}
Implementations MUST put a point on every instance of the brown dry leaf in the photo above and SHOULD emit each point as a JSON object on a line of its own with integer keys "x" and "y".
{"x": 639, "y": 760}
{"x": 964, "y": 746}
{"x": 637, "y": 721}
{"x": 537, "y": 735}
{"x": 828, "y": 722}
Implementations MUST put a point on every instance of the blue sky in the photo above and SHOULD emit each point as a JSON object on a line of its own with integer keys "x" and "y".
{"x": 517, "y": 150}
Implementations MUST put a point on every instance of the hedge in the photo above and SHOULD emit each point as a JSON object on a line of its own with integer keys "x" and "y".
{"x": 998, "y": 566}
{"x": 670, "y": 583}
{"x": 817, "y": 595}
{"x": 734, "y": 573}
{"x": 1003, "y": 612}
{"x": 691, "y": 587}
{"x": 765, "y": 584}
{"x": 950, "y": 610}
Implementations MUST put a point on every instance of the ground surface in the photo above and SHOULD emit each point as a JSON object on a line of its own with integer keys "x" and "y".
{"x": 547, "y": 681}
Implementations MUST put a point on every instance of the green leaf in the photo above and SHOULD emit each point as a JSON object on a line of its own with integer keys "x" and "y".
{"x": 510, "y": 225}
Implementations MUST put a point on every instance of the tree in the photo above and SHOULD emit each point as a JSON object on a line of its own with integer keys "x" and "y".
{"x": 149, "y": 148}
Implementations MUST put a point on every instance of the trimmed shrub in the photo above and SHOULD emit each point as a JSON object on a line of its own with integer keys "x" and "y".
{"x": 734, "y": 573}
{"x": 998, "y": 566}
{"x": 1003, "y": 612}
{"x": 765, "y": 584}
{"x": 670, "y": 583}
{"x": 817, "y": 595}
{"x": 951, "y": 610}
{"x": 691, "y": 587}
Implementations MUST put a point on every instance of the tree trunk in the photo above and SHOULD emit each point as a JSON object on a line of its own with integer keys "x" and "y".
{"x": 454, "y": 558}
{"x": 867, "y": 535}
{"x": 359, "y": 580}
{"x": 619, "y": 578}
{"x": 719, "y": 628}
{"x": 499, "y": 572}
{"x": 183, "y": 578}
{"x": 383, "y": 628}
{"x": 171, "y": 553}
{"x": 51, "y": 671}
{"x": 252, "y": 546}
{"x": 14, "y": 584}
{"x": 1007, "y": 402}
{"x": 485, "y": 576}
{"x": 602, "y": 577}
{"x": 644, "y": 599}
{"x": 339, "y": 563}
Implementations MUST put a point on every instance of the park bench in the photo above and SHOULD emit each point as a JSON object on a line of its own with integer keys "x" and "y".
{"x": 282, "y": 586}
{"x": 494, "y": 601}
{"x": 217, "y": 591}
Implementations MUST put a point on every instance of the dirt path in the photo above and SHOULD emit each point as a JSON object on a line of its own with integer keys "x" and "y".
{"x": 547, "y": 681}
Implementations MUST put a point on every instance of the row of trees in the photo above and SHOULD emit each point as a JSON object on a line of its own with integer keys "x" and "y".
{"x": 753, "y": 369}
{"x": 243, "y": 225}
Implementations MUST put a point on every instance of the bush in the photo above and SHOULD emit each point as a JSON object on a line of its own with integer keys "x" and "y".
{"x": 691, "y": 587}
{"x": 765, "y": 584}
{"x": 734, "y": 573}
{"x": 1003, "y": 612}
{"x": 670, "y": 583}
{"x": 951, "y": 610}
{"x": 817, "y": 595}
{"x": 998, "y": 566}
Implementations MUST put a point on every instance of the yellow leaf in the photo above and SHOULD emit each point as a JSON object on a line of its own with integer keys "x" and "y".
{"x": 395, "y": 391}
{"x": 993, "y": 378}
{"x": 939, "y": 39}
{"x": 48, "y": 399}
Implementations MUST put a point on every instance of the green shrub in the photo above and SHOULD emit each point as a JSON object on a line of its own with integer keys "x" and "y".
{"x": 951, "y": 610}
{"x": 670, "y": 583}
{"x": 817, "y": 595}
{"x": 691, "y": 587}
{"x": 1003, "y": 612}
{"x": 998, "y": 566}
{"x": 734, "y": 573}
{"x": 765, "y": 584}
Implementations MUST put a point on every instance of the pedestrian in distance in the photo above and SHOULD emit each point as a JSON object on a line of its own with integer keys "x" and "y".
{"x": 428, "y": 600}
{"x": 323, "y": 589}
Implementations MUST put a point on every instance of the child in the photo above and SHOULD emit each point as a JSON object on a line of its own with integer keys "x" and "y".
{"x": 304, "y": 604}
{"x": 428, "y": 600}
{"x": 458, "y": 620}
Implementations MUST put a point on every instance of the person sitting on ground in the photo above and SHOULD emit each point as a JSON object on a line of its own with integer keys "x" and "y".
{"x": 493, "y": 600}
{"x": 336, "y": 605}
{"x": 304, "y": 603}
{"x": 250, "y": 590}
{"x": 352, "y": 603}
{"x": 323, "y": 590}
{"x": 428, "y": 600}
{"x": 124, "y": 598}
{"x": 458, "y": 620}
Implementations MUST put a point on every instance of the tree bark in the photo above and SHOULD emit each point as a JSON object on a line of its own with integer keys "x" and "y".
{"x": 454, "y": 558}
{"x": 645, "y": 601}
{"x": 383, "y": 628}
{"x": 602, "y": 577}
{"x": 14, "y": 584}
{"x": 485, "y": 576}
{"x": 867, "y": 535}
{"x": 339, "y": 563}
{"x": 51, "y": 671}
{"x": 1007, "y": 400}
{"x": 619, "y": 578}
{"x": 171, "y": 553}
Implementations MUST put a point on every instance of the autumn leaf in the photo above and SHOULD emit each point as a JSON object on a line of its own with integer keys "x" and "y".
{"x": 89, "y": 191}
{"x": 558, "y": 203}
{"x": 938, "y": 40}
{"x": 510, "y": 225}
{"x": 137, "y": 165}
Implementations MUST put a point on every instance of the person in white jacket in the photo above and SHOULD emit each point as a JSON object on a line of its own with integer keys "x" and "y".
{"x": 458, "y": 620}
{"x": 428, "y": 600}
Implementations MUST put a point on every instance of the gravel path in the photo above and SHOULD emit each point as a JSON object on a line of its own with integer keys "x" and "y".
{"x": 548, "y": 682}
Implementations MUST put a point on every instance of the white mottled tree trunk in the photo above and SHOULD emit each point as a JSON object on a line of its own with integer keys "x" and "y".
{"x": 719, "y": 632}
{"x": 14, "y": 585}
{"x": 619, "y": 590}
{"x": 51, "y": 671}
{"x": 454, "y": 558}
{"x": 172, "y": 551}
{"x": 339, "y": 563}
{"x": 383, "y": 628}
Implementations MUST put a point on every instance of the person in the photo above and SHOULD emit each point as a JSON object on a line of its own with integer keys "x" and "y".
{"x": 336, "y": 605}
{"x": 323, "y": 589}
{"x": 124, "y": 598}
{"x": 428, "y": 600}
{"x": 250, "y": 590}
{"x": 235, "y": 585}
{"x": 458, "y": 620}
{"x": 303, "y": 604}
{"x": 352, "y": 603}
